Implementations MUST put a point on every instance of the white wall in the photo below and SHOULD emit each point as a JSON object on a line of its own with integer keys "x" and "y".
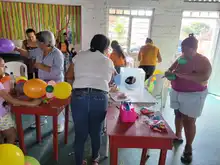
{"x": 165, "y": 26}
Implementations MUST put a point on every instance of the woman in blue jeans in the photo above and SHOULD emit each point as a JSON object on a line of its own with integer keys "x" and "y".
{"x": 91, "y": 72}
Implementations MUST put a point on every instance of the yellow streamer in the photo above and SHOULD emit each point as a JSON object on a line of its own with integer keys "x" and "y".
{"x": 14, "y": 20}
{"x": 14, "y": 27}
{"x": 2, "y": 19}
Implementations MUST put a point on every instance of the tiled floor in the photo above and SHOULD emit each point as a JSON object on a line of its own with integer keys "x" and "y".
{"x": 206, "y": 145}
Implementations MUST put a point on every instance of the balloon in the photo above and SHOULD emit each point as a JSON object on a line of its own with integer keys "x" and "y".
{"x": 35, "y": 88}
{"x": 157, "y": 72}
{"x": 6, "y": 45}
{"x": 5, "y": 79}
{"x": 51, "y": 83}
{"x": 49, "y": 89}
{"x": 31, "y": 161}
{"x": 20, "y": 79}
{"x": 9, "y": 154}
{"x": 62, "y": 90}
{"x": 117, "y": 79}
{"x": 171, "y": 77}
{"x": 151, "y": 87}
{"x": 49, "y": 95}
{"x": 182, "y": 61}
{"x": 27, "y": 164}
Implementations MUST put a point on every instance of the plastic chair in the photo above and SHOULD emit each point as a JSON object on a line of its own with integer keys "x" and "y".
{"x": 16, "y": 68}
{"x": 158, "y": 90}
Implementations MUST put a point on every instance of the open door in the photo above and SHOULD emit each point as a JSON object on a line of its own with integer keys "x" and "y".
{"x": 214, "y": 82}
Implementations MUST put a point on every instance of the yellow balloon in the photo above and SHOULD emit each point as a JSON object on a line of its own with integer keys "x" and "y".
{"x": 11, "y": 155}
{"x": 20, "y": 78}
{"x": 157, "y": 72}
{"x": 62, "y": 90}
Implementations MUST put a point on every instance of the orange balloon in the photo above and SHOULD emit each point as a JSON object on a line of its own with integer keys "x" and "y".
{"x": 35, "y": 88}
{"x": 5, "y": 79}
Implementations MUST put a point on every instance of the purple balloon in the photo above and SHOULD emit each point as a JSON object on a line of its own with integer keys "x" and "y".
{"x": 6, "y": 45}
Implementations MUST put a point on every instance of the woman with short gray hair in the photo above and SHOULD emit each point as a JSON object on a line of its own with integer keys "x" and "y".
{"x": 49, "y": 62}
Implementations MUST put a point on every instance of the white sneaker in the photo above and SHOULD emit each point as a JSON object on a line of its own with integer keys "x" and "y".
{"x": 42, "y": 122}
{"x": 60, "y": 128}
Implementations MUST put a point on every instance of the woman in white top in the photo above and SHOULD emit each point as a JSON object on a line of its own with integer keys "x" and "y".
{"x": 91, "y": 72}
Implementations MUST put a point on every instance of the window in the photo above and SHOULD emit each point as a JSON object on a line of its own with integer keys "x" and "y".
{"x": 203, "y": 1}
{"x": 201, "y": 14}
{"x": 129, "y": 27}
{"x": 204, "y": 25}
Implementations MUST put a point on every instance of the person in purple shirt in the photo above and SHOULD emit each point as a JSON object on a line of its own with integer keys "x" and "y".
{"x": 189, "y": 90}
{"x": 49, "y": 62}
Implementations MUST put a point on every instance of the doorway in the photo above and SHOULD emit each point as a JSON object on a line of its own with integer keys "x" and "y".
{"x": 205, "y": 27}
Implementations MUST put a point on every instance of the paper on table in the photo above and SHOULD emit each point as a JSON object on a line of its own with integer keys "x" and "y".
{"x": 114, "y": 97}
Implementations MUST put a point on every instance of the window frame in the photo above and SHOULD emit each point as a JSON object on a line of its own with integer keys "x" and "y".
{"x": 202, "y": 1}
{"x": 131, "y": 17}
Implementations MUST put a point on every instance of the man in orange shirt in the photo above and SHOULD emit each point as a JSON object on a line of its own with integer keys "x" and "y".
{"x": 149, "y": 56}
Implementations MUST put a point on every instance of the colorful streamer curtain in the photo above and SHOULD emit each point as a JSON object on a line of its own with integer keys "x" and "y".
{"x": 16, "y": 17}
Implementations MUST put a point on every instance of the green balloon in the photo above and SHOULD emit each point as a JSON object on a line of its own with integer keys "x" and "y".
{"x": 182, "y": 61}
{"x": 31, "y": 161}
{"x": 151, "y": 87}
{"x": 171, "y": 77}
{"x": 49, "y": 89}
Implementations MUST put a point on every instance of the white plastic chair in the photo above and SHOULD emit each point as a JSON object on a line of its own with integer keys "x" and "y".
{"x": 16, "y": 68}
{"x": 159, "y": 89}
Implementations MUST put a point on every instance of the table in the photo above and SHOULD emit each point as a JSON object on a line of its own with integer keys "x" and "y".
{"x": 140, "y": 96}
{"x": 136, "y": 135}
{"x": 54, "y": 108}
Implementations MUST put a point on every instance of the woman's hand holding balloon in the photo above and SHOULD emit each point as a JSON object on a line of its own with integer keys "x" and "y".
{"x": 170, "y": 75}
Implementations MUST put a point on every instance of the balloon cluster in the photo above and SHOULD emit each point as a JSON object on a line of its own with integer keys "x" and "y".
{"x": 37, "y": 88}
{"x": 11, "y": 155}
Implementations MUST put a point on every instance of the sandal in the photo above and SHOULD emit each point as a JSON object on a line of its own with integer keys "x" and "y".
{"x": 84, "y": 162}
{"x": 178, "y": 141}
{"x": 96, "y": 161}
{"x": 186, "y": 158}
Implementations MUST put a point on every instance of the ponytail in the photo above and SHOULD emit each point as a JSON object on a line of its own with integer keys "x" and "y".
{"x": 119, "y": 51}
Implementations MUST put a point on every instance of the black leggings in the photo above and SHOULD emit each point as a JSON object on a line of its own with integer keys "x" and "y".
{"x": 149, "y": 70}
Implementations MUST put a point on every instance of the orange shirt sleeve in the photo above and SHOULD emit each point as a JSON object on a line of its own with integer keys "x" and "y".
{"x": 112, "y": 57}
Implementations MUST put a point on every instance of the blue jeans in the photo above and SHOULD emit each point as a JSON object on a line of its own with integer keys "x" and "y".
{"x": 88, "y": 111}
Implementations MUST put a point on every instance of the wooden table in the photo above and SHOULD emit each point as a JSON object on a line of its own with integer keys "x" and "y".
{"x": 54, "y": 108}
{"x": 136, "y": 135}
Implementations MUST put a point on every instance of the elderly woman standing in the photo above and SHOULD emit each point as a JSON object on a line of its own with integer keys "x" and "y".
{"x": 49, "y": 62}
{"x": 189, "y": 91}
{"x": 91, "y": 71}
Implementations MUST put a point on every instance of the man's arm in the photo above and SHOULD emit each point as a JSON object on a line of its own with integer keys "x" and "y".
{"x": 22, "y": 52}
{"x": 159, "y": 58}
{"x": 140, "y": 54}
{"x": 173, "y": 66}
{"x": 43, "y": 67}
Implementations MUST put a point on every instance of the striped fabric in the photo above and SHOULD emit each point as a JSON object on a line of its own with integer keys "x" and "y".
{"x": 16, "y": 17}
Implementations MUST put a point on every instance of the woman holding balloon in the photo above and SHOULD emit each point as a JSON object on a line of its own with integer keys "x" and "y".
{"x": 189, "y": 77}
{"x": 49, "y": 62}
{"x": 91, "y": 71}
